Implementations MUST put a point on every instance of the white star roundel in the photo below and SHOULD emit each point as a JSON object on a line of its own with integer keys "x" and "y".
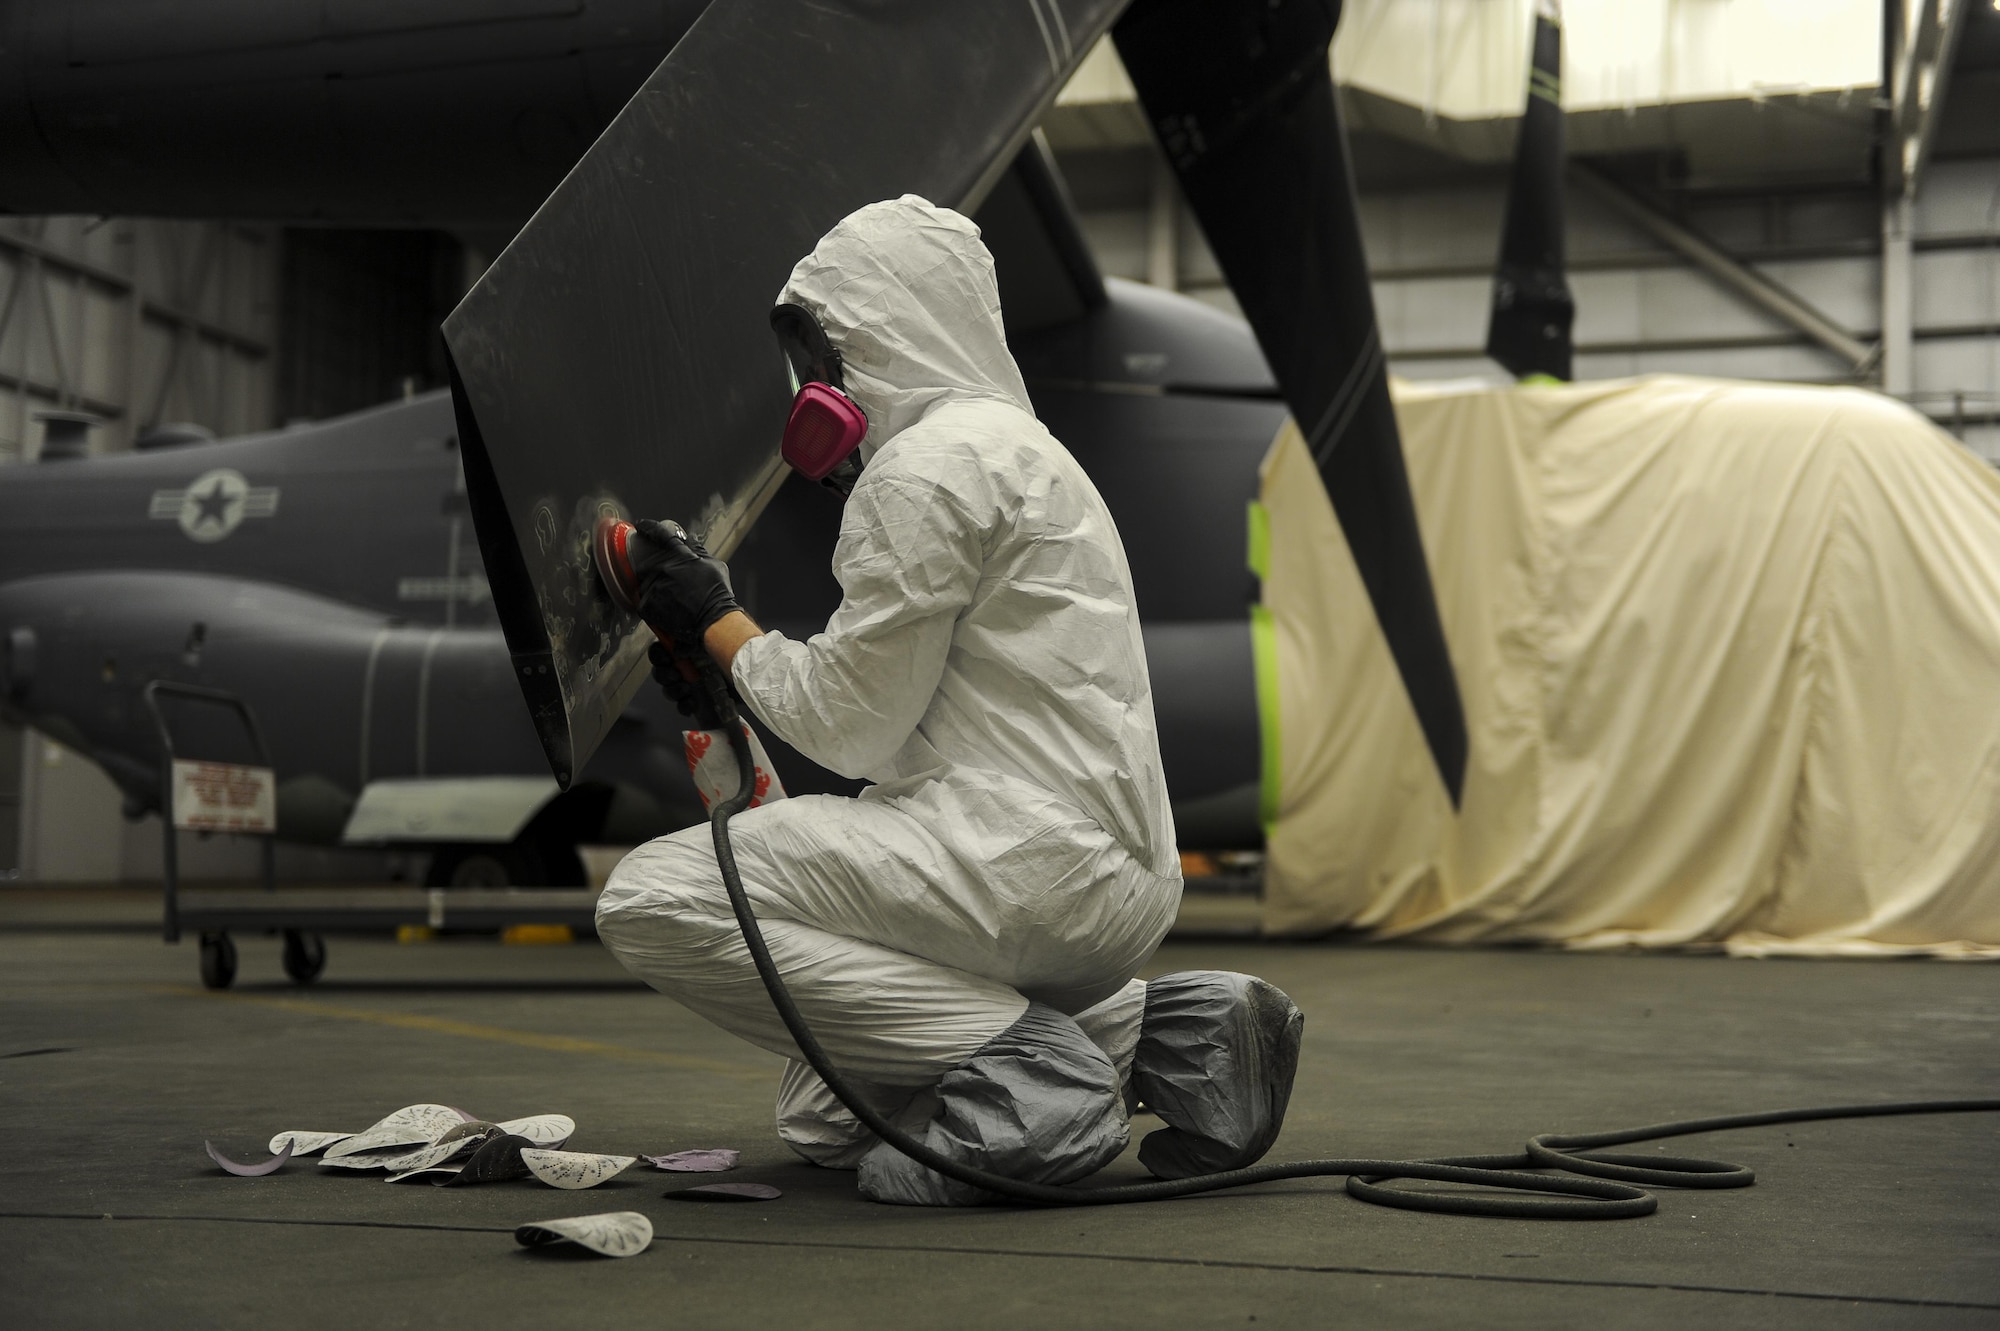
{"x": 215, "y": 504}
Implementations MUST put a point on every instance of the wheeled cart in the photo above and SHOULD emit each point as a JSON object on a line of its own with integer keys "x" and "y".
{"x": 302, "y": 917}
{"x": 240, "y": 799}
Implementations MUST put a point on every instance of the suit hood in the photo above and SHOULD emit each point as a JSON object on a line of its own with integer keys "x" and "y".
{"x": 906, "y": 294}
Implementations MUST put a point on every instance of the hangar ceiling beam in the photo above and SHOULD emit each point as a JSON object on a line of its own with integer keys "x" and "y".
{"x": 1729, "y": 272}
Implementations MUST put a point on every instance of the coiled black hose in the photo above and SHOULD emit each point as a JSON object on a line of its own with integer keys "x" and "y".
{"x": 1606, "y": 1191}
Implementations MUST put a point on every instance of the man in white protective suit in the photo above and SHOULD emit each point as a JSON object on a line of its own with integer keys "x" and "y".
{"x": 962, "y": 937}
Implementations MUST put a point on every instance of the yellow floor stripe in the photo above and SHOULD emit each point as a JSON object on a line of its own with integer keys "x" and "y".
{"x": 411, "y": 1021}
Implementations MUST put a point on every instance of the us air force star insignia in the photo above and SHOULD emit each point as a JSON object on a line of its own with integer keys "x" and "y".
{"x": 215, "y": 504}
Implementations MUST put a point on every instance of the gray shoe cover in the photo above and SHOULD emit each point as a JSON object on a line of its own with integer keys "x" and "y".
{"x": 1215, "y": 1062}
{"x": 1038, "y": 1102}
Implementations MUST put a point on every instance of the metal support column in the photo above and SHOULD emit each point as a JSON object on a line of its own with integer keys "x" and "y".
{"x": 1898, "y": 305}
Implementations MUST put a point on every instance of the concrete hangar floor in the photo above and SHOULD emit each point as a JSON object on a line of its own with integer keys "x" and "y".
{"x": 115, "y": 1067}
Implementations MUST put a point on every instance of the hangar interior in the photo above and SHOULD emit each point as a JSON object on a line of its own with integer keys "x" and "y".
{"x": 1685, "y": 122}
{"x": 1771, "y": 193}
{"x": 164, "y": 331}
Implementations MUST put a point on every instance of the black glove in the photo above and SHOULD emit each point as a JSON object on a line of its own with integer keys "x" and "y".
{"x": 688, "y": 696}
{"x": 682, "y": 587}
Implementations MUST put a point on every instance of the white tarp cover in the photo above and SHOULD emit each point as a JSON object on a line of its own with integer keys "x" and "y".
{"x": 1730, "y": 657}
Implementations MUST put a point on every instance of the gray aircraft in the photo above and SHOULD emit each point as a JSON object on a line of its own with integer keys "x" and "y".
{"x": 328, "y": 576}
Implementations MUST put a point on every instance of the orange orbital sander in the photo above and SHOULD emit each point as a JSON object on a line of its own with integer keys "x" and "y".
{"x": 610, "y": 551}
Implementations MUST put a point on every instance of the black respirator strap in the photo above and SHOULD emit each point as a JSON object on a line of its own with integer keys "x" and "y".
{"x": 806, "y": 346}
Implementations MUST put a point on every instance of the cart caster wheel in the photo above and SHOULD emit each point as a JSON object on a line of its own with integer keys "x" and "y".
{"x": 304, "y": 956}
{"x": 218, "y": 961}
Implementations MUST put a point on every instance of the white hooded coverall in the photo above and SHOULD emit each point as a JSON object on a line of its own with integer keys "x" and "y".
{"x": 985, "y": 673}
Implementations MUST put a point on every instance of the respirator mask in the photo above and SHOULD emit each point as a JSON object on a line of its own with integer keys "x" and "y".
{"x": 825, "y": 426}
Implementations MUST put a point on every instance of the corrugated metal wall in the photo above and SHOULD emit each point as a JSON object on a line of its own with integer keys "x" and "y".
{"x": 138, "y": 322}
{"x": 1640, "y": 308}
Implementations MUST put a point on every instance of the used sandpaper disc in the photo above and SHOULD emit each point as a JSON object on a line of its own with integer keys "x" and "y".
{"x": 497, "y": 1159}
{"x": 262, "y": 1167}
{"x": 574, "y": 1169}
{"x": 412, "y": 1125}
{"x": 612, "y": 1233}
{"x": 305, "y": 1143}
{"x": 707, "y": 1161}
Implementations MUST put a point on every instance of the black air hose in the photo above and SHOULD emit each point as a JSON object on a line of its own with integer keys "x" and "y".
{"x": 1607, "y": 1194}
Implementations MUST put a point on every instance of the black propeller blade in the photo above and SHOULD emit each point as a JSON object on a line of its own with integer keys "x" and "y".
{"x": 1529, "y": 332}
{"x": 1241, "y": 97}
{"x": 617, "y": 358}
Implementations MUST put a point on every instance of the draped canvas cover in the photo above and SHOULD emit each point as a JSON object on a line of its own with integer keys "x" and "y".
{"x": 1730, "y": 656}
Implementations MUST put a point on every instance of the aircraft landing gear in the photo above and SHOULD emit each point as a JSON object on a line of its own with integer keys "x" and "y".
{"x": 524, "y": 862}
{"x": 218, "y": 961}
{"x": 475, "y": 866}
{"x": 304, "y": 955}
